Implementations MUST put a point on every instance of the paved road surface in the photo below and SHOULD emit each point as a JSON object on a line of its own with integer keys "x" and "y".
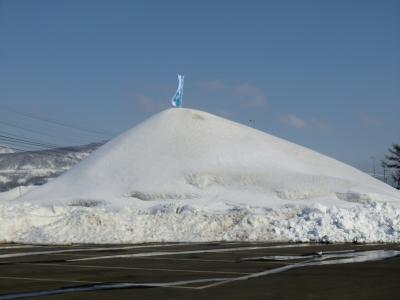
{"x": 200, "y": 271}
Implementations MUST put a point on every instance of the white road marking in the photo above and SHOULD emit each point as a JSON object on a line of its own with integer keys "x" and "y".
{"x": 48, "y": 279}
{"x": 275, "y": 258}
{"x": 193, "y": 259}
{"x": 136, "y": 268}
{"x": 339, "y": 258}
{"x": 158, "y": 253}
{"x": 88, "y": 249}
{"x": 73, "y": 254}
{"x": 84, "y": 250}
{"x": 268, "y": 272}
{"x": 210, "y": 260}
{"x": 103, "y": 286}
{"x": 18, "y": 246}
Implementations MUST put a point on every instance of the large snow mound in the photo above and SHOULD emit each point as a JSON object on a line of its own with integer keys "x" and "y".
{"x": 186, "y": 175}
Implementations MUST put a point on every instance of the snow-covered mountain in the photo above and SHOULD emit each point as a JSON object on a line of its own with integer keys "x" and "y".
{"x": 186, "y": 175}
{"x": 5, "y": 149}
{"x": 36, "y": 167}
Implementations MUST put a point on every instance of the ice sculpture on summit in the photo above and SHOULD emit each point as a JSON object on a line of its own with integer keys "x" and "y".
{"x": 177, "y": 98}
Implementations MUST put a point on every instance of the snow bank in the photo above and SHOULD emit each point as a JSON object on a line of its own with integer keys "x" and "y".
{"x": 174, "y": 221}
{"x": 186, "y": 175}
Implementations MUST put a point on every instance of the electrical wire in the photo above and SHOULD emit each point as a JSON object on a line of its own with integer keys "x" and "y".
{"x": 56, "y": 122}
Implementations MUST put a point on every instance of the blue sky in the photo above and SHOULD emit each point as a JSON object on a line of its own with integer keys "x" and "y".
{"x": 324, "y": 74}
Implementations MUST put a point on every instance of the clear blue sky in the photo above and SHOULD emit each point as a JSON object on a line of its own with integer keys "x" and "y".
{"x": 324, "y": 74}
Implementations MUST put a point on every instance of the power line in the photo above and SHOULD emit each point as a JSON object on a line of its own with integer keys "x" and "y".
{"x": 20, "y": 143}
{"x": 21, "y": 137}
{"x": 5, "y": 138}
{"x": 45, "y": 146}
{"x": 13, "y": 125}
{"x": 56, "y": 122}
{"x": 40, "y": 132}
{"x": 27, "y": 129}
{"x": 31, "y": 148}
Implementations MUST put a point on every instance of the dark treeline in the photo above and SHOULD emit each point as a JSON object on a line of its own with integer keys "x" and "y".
{"x": 392, "y": 161}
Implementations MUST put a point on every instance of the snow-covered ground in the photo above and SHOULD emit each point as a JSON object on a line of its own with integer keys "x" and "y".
{"x": 186, "y": 175}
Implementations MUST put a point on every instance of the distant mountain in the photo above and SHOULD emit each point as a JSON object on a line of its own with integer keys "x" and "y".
{"x": 36, "y": 167}
{"x": 5, "y": 149}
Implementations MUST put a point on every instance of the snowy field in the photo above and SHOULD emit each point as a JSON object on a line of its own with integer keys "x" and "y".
{"x": 188, "y": 176}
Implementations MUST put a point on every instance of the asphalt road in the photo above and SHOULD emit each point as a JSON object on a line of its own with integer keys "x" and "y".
{"x": 200, "y": 271}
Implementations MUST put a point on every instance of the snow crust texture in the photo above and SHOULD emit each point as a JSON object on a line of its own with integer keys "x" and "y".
{"x": 186, "y": 175}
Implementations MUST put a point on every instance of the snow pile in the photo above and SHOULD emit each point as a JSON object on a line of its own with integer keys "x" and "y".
{"x": 179, "y": 222}
{"x": 186, "y": 175}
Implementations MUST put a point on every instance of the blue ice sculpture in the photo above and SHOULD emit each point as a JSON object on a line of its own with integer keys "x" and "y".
{"x": 177, "y": 99}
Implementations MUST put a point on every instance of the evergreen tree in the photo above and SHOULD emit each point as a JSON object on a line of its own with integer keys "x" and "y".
{"x": 392, "y": 160}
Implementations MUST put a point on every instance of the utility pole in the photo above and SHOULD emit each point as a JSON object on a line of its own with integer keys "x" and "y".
{"x": 384, "y": 174}
{"x": 384, "y": 171}
{"x": 373, "y": 165}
